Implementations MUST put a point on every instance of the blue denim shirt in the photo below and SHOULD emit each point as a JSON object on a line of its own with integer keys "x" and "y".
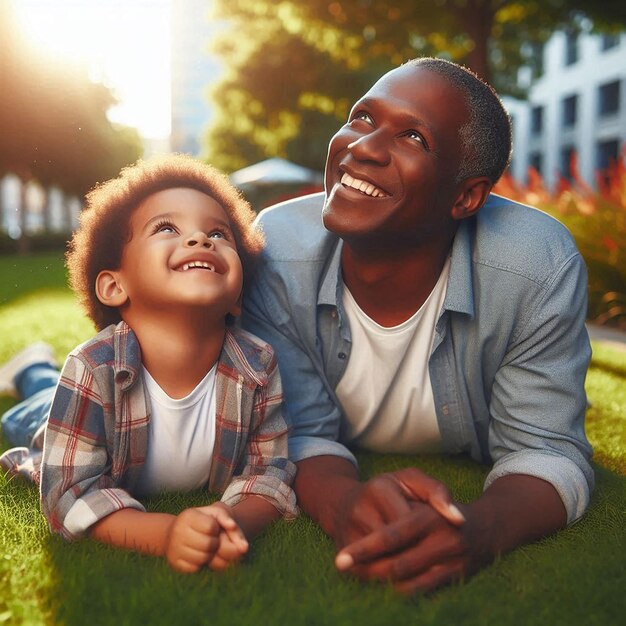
{"x": 509, "y": 358}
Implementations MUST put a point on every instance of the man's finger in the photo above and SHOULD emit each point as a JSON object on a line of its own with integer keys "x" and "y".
{"x": 432, "y": 579}
{"x": 390, "y": 497}
{"x": 387, "y": 540}
{"x": 419, "y": 486}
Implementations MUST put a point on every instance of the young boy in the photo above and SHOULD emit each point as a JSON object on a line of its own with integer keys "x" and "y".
{"x": 167, "y": 396}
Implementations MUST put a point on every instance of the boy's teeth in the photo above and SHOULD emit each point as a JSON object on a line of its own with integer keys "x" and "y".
{"x": 362, "y": 185}
{"x": 202, "y": 264}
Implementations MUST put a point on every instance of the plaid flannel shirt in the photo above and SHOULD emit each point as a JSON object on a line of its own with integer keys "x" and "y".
{"x": 97, "y": 433}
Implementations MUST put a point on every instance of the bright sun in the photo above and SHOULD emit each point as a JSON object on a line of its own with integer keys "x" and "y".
{"x": 125, "y": 43}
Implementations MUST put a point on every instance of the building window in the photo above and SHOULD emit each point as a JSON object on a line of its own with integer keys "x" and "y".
{"x": 607, "y": 153}
{"x": 536, "y": 162}
{"x": 569, "y": 111}
{"x": 567, "y": 156}
{"x": 608, "y": 98}
{"x": 608, "y": 41}
{"x": 536, "y": 120}
{"x": 571, "y": 48}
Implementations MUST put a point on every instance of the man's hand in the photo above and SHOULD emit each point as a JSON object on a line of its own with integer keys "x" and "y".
{"x": 374, "y": 505}
{"x": 195, "y": 539}
{"x": 420, "y": 550}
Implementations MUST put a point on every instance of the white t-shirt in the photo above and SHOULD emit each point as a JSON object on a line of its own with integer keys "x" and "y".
{"x": 181, "y": 437}
{"x": 385, "y": 391}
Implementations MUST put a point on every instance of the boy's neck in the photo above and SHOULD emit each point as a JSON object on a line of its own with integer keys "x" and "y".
{"x": 179, "y": 352}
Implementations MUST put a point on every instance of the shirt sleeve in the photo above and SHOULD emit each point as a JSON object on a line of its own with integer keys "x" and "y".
{"x": 538, "y": 399}
{"x": 77, "y": 489}
{"x": 313, "y": 417}
{"x": 266, "y": 470}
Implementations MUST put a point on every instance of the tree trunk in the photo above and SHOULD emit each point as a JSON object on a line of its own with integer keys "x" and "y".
{"x": 477, "y": 17}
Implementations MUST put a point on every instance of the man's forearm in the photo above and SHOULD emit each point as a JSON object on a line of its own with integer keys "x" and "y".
{"x": 321, "y": 484}
{"x": 515, "y": 510}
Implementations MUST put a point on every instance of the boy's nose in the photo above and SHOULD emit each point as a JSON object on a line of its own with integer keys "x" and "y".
{"x": 198, "y": 238}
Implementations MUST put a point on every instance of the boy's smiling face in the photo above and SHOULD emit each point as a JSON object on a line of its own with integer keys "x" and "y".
{"x": 182, "y": 253}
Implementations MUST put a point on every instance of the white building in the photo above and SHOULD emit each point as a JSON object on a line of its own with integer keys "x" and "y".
{"x": 577, "y": 104}
{"x": 193, "y": 70}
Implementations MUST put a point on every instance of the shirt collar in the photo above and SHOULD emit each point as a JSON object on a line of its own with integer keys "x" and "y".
{"x": 460, "y": 289}
{"x": 331, "y": 279}
{"x": 127, "y": 356}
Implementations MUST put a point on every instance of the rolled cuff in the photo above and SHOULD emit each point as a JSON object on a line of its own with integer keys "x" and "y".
{"x": 304, "y": 447}
{"x": 271, "y": 488}
{"x": 93, "y": 507}
{"x": 570, "y": 481}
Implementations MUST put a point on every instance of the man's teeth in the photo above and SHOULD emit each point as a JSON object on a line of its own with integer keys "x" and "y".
{"x": 201, "y": 264}
{"x": 363, "y": 186}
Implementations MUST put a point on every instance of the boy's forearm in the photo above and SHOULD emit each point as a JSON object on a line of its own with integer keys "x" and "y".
{"x": 134, "y": 530}
{"x": 254, "y": 514}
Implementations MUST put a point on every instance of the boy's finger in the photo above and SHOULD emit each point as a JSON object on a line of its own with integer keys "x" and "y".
{"x": 237, "y": 537}
{"x": 203, "y": 523}
{"x": 224, "y": 519}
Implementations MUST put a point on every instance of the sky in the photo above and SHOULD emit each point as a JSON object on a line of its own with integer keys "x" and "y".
{"x": 125, "y": 44}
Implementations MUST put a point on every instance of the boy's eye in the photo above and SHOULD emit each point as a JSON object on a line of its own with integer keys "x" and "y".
{"x": 164, "y": 227}
{"x": 216, "y": 234}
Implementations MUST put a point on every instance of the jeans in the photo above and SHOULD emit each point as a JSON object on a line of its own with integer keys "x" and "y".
{"x": 35, "y": 385}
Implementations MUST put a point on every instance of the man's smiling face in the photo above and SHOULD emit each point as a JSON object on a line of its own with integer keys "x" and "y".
{"x": 391, "y": 169}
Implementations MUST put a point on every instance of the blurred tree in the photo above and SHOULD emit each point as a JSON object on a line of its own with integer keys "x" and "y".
{"x": 53, "y": 123}
{"x": 294, "y": 68}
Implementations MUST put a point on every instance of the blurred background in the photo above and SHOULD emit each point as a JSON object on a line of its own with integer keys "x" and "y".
{"x": 258, "y": 87}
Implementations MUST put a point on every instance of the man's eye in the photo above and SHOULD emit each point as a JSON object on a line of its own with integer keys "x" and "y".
{"x": 362, "y": 115}
{"x": 413, "y": 134}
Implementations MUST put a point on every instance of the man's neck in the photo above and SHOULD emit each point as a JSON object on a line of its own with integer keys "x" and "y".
{"x": 391, "y": 287}
{"x": 178, "y": 350}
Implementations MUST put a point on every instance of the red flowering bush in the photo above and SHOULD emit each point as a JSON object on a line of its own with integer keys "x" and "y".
{"x": 597, "y": 220}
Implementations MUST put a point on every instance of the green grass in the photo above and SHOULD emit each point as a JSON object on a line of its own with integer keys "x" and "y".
{"x": 575, "y": 577}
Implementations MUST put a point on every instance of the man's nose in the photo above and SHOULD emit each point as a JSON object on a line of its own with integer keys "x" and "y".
{"x": 198, "y": 238}
{"x": 370, "y": 147}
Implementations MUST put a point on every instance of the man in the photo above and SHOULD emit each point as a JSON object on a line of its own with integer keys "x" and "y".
{"x": 411, "y": 311}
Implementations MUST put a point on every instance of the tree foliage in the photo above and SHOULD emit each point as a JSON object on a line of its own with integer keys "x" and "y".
{"x": 294, "y": 68}
{"x": 53, "y": 120}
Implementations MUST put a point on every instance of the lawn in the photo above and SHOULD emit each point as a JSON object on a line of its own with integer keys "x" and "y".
{"x": 575, "y": 577}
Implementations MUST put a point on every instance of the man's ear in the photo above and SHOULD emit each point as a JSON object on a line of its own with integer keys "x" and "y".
{"x": 109, "y": 289}
{"x": 473, "y": 194}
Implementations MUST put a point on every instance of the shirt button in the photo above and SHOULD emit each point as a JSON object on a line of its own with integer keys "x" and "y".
{"x": 445, "y": 410}
{"x": 342, "y": 355}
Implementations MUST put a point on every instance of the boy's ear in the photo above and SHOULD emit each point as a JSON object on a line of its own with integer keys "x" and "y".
{"x": 473, "y": 194}
{"x": 109, "y": 289}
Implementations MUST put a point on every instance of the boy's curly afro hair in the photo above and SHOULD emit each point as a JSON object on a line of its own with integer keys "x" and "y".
{"x": 104, "y": 228}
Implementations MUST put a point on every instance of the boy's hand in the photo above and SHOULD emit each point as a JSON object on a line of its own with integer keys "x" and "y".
{"x": 232, "y": 542}
{"x": 194, "y": 537}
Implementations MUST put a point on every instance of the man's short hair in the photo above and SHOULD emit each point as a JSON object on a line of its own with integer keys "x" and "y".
{"x": 486, "y": 138}
{"x": 104, "y": 228}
